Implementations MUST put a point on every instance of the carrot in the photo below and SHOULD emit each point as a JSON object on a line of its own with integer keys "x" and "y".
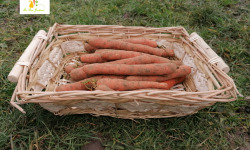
{"x": 107, "y": 55}
{"x": 89, "y": 48}
{"x": 85, "y": 84}
{"x": 103, "y": 88}
{"x": 91, "y": 58}
{"x": 146, "y": 78}
{"x": 98, "y": 51}
{"x": 147, "y": 42}
{"x": 117, "y": 54}
{"x": 126, "y": 57}
{"x": 182, "y": 70}
{"x": 70, "y": 67}
{"x": 102, "y": 43}
{"x": 170, "y": 83}
{"x": 122, "y": 69}
{"x": 141, "y": 41}
{"x": 145, "y": 59}
{"x": 124, "y": 85}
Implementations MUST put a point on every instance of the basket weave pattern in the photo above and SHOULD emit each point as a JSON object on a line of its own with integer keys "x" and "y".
{"x": 205, "y": 85}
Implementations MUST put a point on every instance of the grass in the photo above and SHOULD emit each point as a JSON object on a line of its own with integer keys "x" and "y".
{"x": 223, "y": 24}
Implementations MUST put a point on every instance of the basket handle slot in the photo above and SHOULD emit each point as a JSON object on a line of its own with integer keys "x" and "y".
{"x": 25, "y": 58}
{"x": 204, "y": 48}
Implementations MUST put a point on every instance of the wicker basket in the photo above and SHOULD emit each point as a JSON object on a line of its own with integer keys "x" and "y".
{"x": 207, "y": 84}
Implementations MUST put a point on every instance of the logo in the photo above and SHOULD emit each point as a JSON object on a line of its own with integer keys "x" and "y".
{"x": 34, "y": 6}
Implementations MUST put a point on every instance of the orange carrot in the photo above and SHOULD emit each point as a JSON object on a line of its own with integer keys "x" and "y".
{"x": 182, "y": 70}
{"x": 85, "y": 84}
{"x": 89, "y": 48}
{"x": 98, "y": 51}
{"x": 108, "y": 55}
{"x": 126, "y": 57}
{"x": 122, "y": 69}
{"x": 147, "y": 42}
{"x": 141, "y": 41}
{"x": 170, "y": 83}
{"x": 146, "y": 78}
{"x": 91, "y": 58}
{"x": 103, "y": 88}
{"x": 124, "y": 85}
{"x": 70, "y": 67}
{"x": 145, "y": 59}
{"x": 103, "y": 43}
{"x": 117, "y": 54}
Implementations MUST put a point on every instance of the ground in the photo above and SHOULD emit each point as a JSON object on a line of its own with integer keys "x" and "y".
{"x": 224, "y": 25}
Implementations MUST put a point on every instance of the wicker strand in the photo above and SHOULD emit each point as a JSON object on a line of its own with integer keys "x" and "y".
{"x": 152, "y": 103}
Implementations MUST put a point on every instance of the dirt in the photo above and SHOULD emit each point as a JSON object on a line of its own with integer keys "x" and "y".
{"x": 239, "y": 134}
{"x": 94, "y": 144}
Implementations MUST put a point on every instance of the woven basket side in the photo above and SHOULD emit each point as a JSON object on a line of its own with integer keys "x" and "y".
{"x": 206, "y": 85}
{"x": 67, "y": 29}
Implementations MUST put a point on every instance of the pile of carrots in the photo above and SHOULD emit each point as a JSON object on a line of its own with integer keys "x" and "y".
{"x": 124, "y": 65}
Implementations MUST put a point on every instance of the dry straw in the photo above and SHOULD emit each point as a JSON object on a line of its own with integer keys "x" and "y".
{"x": 207, "y": 84}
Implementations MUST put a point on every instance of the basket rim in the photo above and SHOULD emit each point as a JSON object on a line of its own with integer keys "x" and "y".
{"x": 57, "y": 29}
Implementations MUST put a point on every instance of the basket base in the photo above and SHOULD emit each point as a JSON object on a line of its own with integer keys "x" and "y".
{"x": 118, "y": 110}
